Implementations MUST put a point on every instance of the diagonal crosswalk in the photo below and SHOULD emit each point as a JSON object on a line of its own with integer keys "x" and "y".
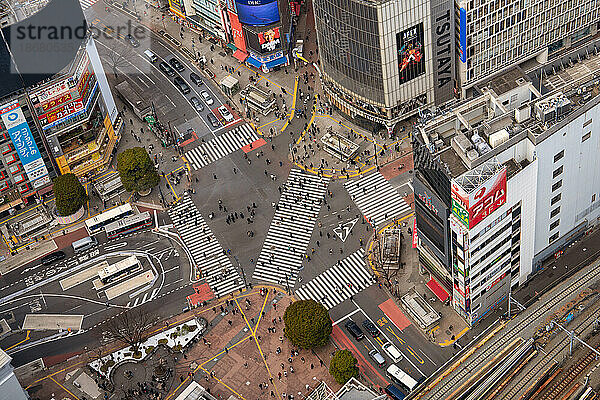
{"x": 221, "y": 146}
{"x": 291, "y": 228}
{"x": 85, "y": 4}
{"x": 346, "y": 278}
{"x": 206, "y": 251}
{"x": 376, "y": 198}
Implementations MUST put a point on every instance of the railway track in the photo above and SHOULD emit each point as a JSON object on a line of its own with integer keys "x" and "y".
{"x": 549, "y": 357}
{"x": 453, "y": 376}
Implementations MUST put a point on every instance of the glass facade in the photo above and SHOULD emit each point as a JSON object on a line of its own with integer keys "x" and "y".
{"x": 349, "y": 46}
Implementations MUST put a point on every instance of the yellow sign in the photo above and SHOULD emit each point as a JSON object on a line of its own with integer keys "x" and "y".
{"x": 62, "y": 165}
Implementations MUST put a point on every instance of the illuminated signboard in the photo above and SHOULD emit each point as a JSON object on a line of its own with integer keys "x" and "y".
{"x": 237, "y": 31}
{"x": 55, "y": 90}
{"x": 426, "y": 199}
{"x": 257, "y": 12}
{"x": 411, "y": 53}
{"x": 68, "y": 111}
{"x": 20, "y": 134}
{"x": 473, "y": 208}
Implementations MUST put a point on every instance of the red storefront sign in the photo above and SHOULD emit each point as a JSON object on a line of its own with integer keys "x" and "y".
{"x": 238, "y": 33}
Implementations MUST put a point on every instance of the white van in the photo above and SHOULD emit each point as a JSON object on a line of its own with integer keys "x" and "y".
{"x": 401, "y": 378}
{"x": 84, "y": 244}
{"x": 392, "y": 351}
{"x": 150, "y": 56}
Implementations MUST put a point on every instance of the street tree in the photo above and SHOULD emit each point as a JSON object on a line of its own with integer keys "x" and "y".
{"x": 129, "y": 327}
{"x": 343, "y": 366}
{"x": 307, "y": 324}
{"x": 117, "y": 56}
{"x": 136, "y": 170}
{"x": 69, "y": 193}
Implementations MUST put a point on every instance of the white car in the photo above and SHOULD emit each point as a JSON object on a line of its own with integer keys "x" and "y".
{"x": 206, "y": 97}
{"x": 226, "y": 113}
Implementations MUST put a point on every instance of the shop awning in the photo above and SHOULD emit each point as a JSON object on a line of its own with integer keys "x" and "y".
{"x": 232, "y": 46}
{"x": 437, "y": 289}
{"x": 240, "y": 55}
{"x": 276, "y": 62}
{"x": 254, "y": 62}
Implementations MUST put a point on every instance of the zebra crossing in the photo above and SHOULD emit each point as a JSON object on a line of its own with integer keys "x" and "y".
{"x": 346, "y": 278}
{"x": 139, "y": 300}
{"x": 221, "y": 146}
{"x": 205, "y": 249}
{"x": 376, "y": 198}
{"x": 291, "y": 228}
{"x": 85, "y": 4}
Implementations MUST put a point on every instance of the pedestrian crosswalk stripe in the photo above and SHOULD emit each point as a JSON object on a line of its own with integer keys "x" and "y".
{"x": 85, "y": 4}
{"x": 346, "y": 278}
{"x": 139, "y": 300}
{"x": 376, "y": 198}
{"x": 291, "y": 228}
{"x": 221, "y": 146}
{"x": 207, "y": 253}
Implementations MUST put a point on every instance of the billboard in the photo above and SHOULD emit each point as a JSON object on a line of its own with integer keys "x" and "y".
{"x": 237, "y": 31}
{"x": 411, "y": 53}
{"x": 264, "y": 42}
{"x": 462, "y": 49}
{"x": 20, "y": 134}
{"x": 443, "y": 50}
{"x": 55, "y": 90}
{"x": 257, "y": 12}
{"x": 473, "y": 208}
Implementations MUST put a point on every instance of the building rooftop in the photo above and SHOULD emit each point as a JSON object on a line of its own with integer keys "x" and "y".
{"x": 511, "y": 107}
{"x": 4, "y": 358}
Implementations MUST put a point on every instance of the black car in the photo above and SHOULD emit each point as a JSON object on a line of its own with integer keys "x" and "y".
{"x": 196, "y": 79}
{"x": 175, "y": 63}
{"x": 197, "y": 104}
{"x": 181, "y": 85}
{"x": 213, "y": 120}
{"x": 164, "y": 67}
{"x": 371, "y": 328}
{"x": 354, "y": 330}
{"x": 132, "y": 40}
{"x": 53, "y": 257}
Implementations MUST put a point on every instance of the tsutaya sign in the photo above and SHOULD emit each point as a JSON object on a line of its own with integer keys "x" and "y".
{"x": 472, "y": 208}
{"x": 442, "y": 32}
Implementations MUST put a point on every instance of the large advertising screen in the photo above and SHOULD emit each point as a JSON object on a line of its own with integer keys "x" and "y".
{"x": 411, "y": 53}
{"x": 473, "y": 208}
{"x": 265, "y": 42}
{"x": 257, "y": 12}
{"x": 20, "y": 134}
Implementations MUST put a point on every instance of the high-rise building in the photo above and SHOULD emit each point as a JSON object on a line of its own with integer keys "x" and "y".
{"x": 507, "y": 180}
{"x": 497, "y": 35}
{"x": 10, "y": 388}
{"x": 56, "y": 116}
{"x": 382, "y": 61}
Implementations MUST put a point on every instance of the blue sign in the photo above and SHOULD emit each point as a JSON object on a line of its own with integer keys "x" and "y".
{"x": 463, "y": 35}
{"x": 257, "y": 12}
{"x": 20, "y": 134}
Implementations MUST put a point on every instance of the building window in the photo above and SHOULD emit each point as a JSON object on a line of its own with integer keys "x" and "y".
{"x": 559, "y": 155}
{"x": 555, "y": 224}
{"x": 557, "y": 172}
{"x": 586, "y": 137}
{"x": 557, "y": 186}
{"x": 594, "y": 197}
{"x": 553, "y": 237}
{"x": 555, "y": 212}
{"x": 586, "y": 123}
{"x": 555, "y": 199}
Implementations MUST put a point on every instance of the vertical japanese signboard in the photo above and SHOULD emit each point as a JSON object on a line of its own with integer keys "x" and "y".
{"x": 20, "y": 134}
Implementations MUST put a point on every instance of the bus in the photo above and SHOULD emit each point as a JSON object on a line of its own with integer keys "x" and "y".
{"x": 401, "y": 378}
{"x": 118, "y": 269}
{"x": 97, "y": 223}
{"x": 84, "y": 244}
{"x": 128, "y": 225}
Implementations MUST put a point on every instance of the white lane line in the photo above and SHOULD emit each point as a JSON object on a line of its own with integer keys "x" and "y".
{"x": 346, "y": 316}
{"x": 422, "y": 352}
{"x": 144, "y": 83}
{"x": 172, "y": 269}
{"x": 174, "y": 282}
{"x": 94, "y": 313}
{"x": 171, "y": 101}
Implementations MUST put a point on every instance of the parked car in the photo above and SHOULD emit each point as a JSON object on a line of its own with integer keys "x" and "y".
{"x": 377, "y": 357}
{"x": 392, "y": 351}
{"x": 354, "y": 330}
{"x": 206, "y": 97}
{"x": 213, "y": 120}
{"x": 226, "y": 113}
{"x": 371, "y": 328}
{"x": 53, "y": 257}
{"x": 175, "y": 63}
{"x": 133, "y": 41}
{"x": 181, "y": 85}
{"x": 166, "y": 68}
{"x": 197, "y": 104}
{"x": 196, "y": 79}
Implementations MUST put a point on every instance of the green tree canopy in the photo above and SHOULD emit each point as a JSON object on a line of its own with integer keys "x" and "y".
{"x": 69, "y": 194}
{"x": 136, "y": 170}
{"x": 343, "y": 366}
{"x": 307, "y": 324}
